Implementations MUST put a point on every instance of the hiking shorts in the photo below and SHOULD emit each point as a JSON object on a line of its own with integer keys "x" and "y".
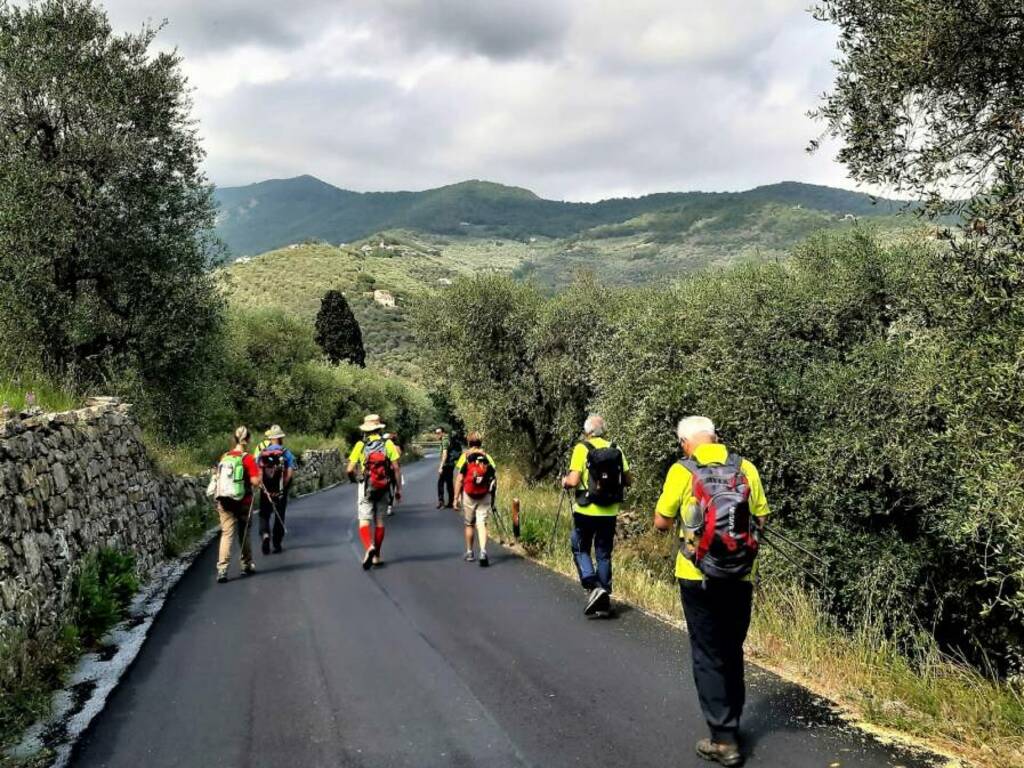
{"x": 476, "y": 509}
{"x": 370, "y": 508}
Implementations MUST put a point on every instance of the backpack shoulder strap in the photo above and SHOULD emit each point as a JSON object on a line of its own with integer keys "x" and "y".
{"x": 690, "y": 465}
{"x": 588, "y": 445}
{"x": 735, "y": 461}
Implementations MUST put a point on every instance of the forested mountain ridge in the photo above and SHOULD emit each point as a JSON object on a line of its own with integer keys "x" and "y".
{"x": 271, "y": 214}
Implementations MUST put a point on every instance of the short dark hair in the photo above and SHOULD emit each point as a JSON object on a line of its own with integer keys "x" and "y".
{"x": 474, "y": 439}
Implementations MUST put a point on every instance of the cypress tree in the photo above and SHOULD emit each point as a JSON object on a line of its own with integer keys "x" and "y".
{"x": 337, "y": 331}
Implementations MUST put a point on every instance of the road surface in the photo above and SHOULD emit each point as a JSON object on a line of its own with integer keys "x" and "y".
{"x": 428, "y": 661}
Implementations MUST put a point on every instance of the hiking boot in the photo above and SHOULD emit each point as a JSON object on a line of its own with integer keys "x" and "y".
{"x": 265, "y": 545}
{"x": 368, "y": 558}
{"x": 468, "y": 557}
{"x": 598, "y": 600}
{"x": 391, "y": 511}
{"x": 484, "y": 562}
{"x": 440, "y": 505}
{"x": 720, "y": 752}
{"x": 277, "y": 549}
{"x": 222, "y": 578}
{"x": 248, "y": 570}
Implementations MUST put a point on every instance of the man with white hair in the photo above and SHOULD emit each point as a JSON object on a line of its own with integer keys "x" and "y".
{"x": 722, "y": 506}
{"x": 599, "y": 474}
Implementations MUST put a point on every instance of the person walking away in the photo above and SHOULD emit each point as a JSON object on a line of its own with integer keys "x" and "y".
{"x": 722, "y": 506}
{"x": 235, "y": 478}
{"x": 377, "y": 461}
{"x": 277, "y": 468}
{"x": 446, "y": 471}
{"x": 393, "y": 489}
{"x": 599, "y": 474}
{"x": 475, "y": 483}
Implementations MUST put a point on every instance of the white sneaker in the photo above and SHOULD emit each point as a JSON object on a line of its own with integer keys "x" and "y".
{"x": 468, "y": 557}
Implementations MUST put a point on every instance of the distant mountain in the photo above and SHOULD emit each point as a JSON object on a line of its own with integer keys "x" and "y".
{"x": 271, "y": 214}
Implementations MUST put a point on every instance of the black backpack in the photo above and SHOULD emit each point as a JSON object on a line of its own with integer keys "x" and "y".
{"x": 726, "y": 542}
{"x": 606, "y": 483}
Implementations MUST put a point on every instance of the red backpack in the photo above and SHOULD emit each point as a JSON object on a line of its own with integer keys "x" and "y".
{"x": 726, "y": 539}
{"x": 479, "y": 475}
{"x": 378, "y": 467}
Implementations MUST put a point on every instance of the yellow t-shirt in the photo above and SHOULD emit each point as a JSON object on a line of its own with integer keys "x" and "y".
{"x": 461, "y": 461}
{"x": 358, "y": 453}
{"x": 578, "y": 463}
{"x": 677, "y": 495}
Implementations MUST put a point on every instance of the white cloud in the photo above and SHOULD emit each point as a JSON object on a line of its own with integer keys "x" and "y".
{"x": 576, "y": 99}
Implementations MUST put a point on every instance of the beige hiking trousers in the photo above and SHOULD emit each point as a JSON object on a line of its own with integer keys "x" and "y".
{"x": 233, "y": 517}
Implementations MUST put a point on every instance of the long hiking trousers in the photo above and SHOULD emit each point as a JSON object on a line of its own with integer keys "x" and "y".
{"x": 717, "y": 619}
{"x": 597, "y": 533}
{"x": 446, "y": 484}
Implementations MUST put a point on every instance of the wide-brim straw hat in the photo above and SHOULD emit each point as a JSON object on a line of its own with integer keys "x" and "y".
{"x": 274, "y": 433}
{"x": 372, "y": 423}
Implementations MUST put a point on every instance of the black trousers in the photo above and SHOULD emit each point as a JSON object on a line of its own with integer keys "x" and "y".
{"x": 446, "y": 483}
{"x": 717, "y": 618}
{"x": 268, "y": 519}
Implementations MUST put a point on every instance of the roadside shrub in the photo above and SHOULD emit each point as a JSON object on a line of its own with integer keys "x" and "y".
{"x": 885, "y": 417}
{"x": 102, "y": 589}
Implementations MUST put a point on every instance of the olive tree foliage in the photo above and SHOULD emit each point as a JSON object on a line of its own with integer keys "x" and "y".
{"x": 928, "y": 100}
{"x": 104, "y": 210}
{"x": 516, "y": 365}
{"x": 275, "y": 373}
{"x": 337, "y": 330}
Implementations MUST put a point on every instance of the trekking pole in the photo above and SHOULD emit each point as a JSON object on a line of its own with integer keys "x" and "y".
{"x": 248, "y": 521}
{"x": 799, "y": 566}
{"x": 498, "y": 522}
{"x": 558, "y": 514}
{"x": 277, "y": 514}
{"x": 772, "y": 533}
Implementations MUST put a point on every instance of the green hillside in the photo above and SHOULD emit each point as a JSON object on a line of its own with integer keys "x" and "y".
{"x": 261, "y": 217}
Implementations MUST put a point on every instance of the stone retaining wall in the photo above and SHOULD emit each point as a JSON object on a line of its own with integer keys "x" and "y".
{"x": 77, "y": 481}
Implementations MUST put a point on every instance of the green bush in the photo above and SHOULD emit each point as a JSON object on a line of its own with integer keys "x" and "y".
{"x": 102, "y": 590}
{"x": 188, "y": 527}
{"x": 884, "y": 417}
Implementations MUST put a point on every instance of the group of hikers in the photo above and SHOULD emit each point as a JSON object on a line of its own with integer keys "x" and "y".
{"x": 711, "y": 494}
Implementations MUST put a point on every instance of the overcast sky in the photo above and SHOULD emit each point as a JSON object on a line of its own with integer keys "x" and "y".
{"x": 574, "y": 99}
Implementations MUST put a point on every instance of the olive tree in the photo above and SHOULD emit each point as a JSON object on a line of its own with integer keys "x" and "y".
{"x": 105, "y": 213}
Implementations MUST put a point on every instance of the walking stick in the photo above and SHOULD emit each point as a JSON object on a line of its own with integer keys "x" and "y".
{"x": 248, "y": 521}
{"x": 558, "y": 514}
{"x": 774, "y": 534}
{"x": 277, "y": 514}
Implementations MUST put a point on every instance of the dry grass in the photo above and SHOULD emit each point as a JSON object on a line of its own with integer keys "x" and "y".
{"x": 929, "y": 698}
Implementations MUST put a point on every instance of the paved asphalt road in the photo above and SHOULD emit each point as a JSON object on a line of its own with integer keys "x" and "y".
{"x": 428, "y": 661}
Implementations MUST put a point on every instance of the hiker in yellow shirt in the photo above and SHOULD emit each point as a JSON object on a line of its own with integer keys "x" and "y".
{"x": 599, "y": 474}
{"x": 721, "y": 504}
{"x": 377, "y": 461}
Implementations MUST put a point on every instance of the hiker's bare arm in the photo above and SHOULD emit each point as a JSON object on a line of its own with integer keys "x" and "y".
{"x": 662, "y": 523}
{"x": 444, "y": 458}
{"x": 571, "y": 480}
{"x": 458, "y": 487}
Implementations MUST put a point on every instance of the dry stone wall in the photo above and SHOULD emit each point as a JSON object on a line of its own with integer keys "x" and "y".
{"x": 74, "y": 482}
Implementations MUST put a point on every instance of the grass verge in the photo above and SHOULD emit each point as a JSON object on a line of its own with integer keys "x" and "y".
{"x": 928, "y": 696}
{"x": 49, "y": 397}
{"x": 31, "y": 668}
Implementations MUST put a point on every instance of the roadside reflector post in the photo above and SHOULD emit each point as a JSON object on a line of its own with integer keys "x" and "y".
{"x": 515, "y": 518}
